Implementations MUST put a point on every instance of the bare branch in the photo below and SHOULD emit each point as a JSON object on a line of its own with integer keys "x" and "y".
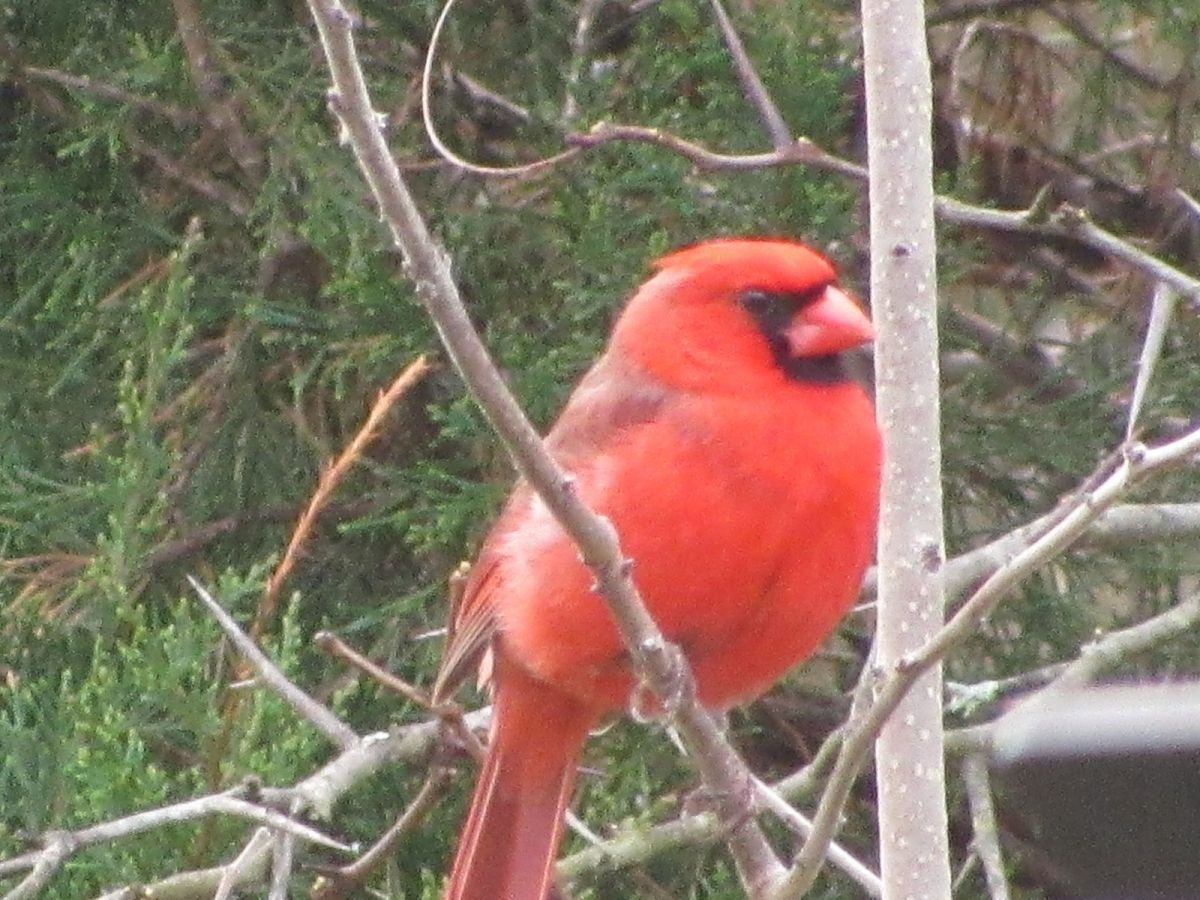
{"x": 343, "y": 882}
{"x": 983, "y": 823}
{"x": 220, "y": 105}
{"x": 752, "y": 86}
{"x": 1067, "y": 223}
{"x": 1161, "y": 307}
{"x": 1071, "y": 223}
{"x": 335, "y": 646}
{"x": 206, "y": 186}
{"x": 1023, "y": 362}
{"x": 308, "y": 708}
{"x": 1147, "y": 78}
{"x": 1118, "y": 646}
{"x": 970, "y": 9}
{"x": 914, "y": 847}
{"x": 802, "y": 151}
{"x": 413, "y": 744}
{"x": 243, "y": 864}
{"x": 319, "y": 792}
{"x": 584, "y": 20}
{"x": 176, "y": 114}
{"x": 1119, "y": 526}
{"x": 635, "y": 846}
{"x": 195, "y": 540}
{"x": 427, "y": 114}
{"x": 330, "y": 478}
{"x": 283, "y": 857}
{"x": 839, "y": 857}
{"x": 1104, "y": 654}
{"x": 58, "y": 846}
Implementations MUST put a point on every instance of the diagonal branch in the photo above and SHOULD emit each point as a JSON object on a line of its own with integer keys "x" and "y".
{"x": 345, "y": 881}
{"x": 177, "y": 115}
{"x": 221, "y": 107}
{"x": 752, "y": 85}
{"x": 657, "y": 662}
{"x": 330, "y": 478}
{"x": 308, "y": 708}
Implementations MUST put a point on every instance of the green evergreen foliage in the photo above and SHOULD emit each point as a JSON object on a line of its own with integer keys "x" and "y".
{"x": 187, "y": 339}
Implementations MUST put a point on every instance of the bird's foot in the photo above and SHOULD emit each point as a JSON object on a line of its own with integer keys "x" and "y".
{"x": 732, "y": 808}
{"x": 658, "y": 703}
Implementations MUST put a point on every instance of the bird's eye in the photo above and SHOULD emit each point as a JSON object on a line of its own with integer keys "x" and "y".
{"x": 755, "y": 301}
{"x": 770, "y": 310}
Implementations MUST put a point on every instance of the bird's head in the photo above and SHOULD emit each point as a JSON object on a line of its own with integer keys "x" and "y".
{"x": 737, "y": 313}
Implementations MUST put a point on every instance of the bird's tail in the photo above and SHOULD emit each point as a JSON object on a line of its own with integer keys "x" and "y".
{"x": 510, "y": 840}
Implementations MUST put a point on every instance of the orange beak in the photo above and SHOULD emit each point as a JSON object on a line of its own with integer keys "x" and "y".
{"x": 832, "y": 324}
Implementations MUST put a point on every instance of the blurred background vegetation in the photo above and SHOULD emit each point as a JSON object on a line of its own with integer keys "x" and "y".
{"x": 198, "y": 307}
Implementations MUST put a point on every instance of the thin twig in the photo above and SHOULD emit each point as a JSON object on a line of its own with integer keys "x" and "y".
{"x": 1119, "y": 526}
{"x": 201, "y": 535}
{"x": 450, "y": 713}
{"x": 431, "y": 131}
{"x": 635, "y": 846}
{"x": 335, "y": 646}
{"x": 308, "y": 708}
{"x": 342, "y": 882}
{"x": 58, "y": 846}
{"x": 1145, "y": 77}
{"x": 283, "y": 857}
{"x": 1068, "y": 223}
{"x": 1071, "y": 224}
{"x": 206, "y": 186}
{"x": 327, "y": 483}
{"x": 986, "y": 842}
{"x": 1065, "y": 223}
{"x": 1118, "y": 646}
{"x": 752, "y": 85}
{"x": 1102, "y": 655}
{"x": 1161, "y": 307}
{"x": 970, "y": 9}
{"x": 221, "y": 106}
{"x": 584, "y": 20}
{"x": 414, "y": 743}
{"x": 1022, "y": 361}
{"x": 236, "y": 871}
{"x": 178, "y": 115}
{"x": 839, "y": 857}
{"x": 801, "y": 151}
{"x": 319, "y": 792}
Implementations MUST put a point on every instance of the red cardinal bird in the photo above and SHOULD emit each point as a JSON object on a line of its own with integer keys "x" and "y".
{"x": 739, "y": 461}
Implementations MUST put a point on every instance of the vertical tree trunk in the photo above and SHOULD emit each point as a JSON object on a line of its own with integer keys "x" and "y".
{"x": 909, "y": 753}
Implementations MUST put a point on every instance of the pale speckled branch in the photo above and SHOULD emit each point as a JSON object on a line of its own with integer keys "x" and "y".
{"x": 913, "y": 839}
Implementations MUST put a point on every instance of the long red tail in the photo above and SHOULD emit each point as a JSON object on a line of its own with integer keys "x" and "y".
{"x": 510, "y": 839}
